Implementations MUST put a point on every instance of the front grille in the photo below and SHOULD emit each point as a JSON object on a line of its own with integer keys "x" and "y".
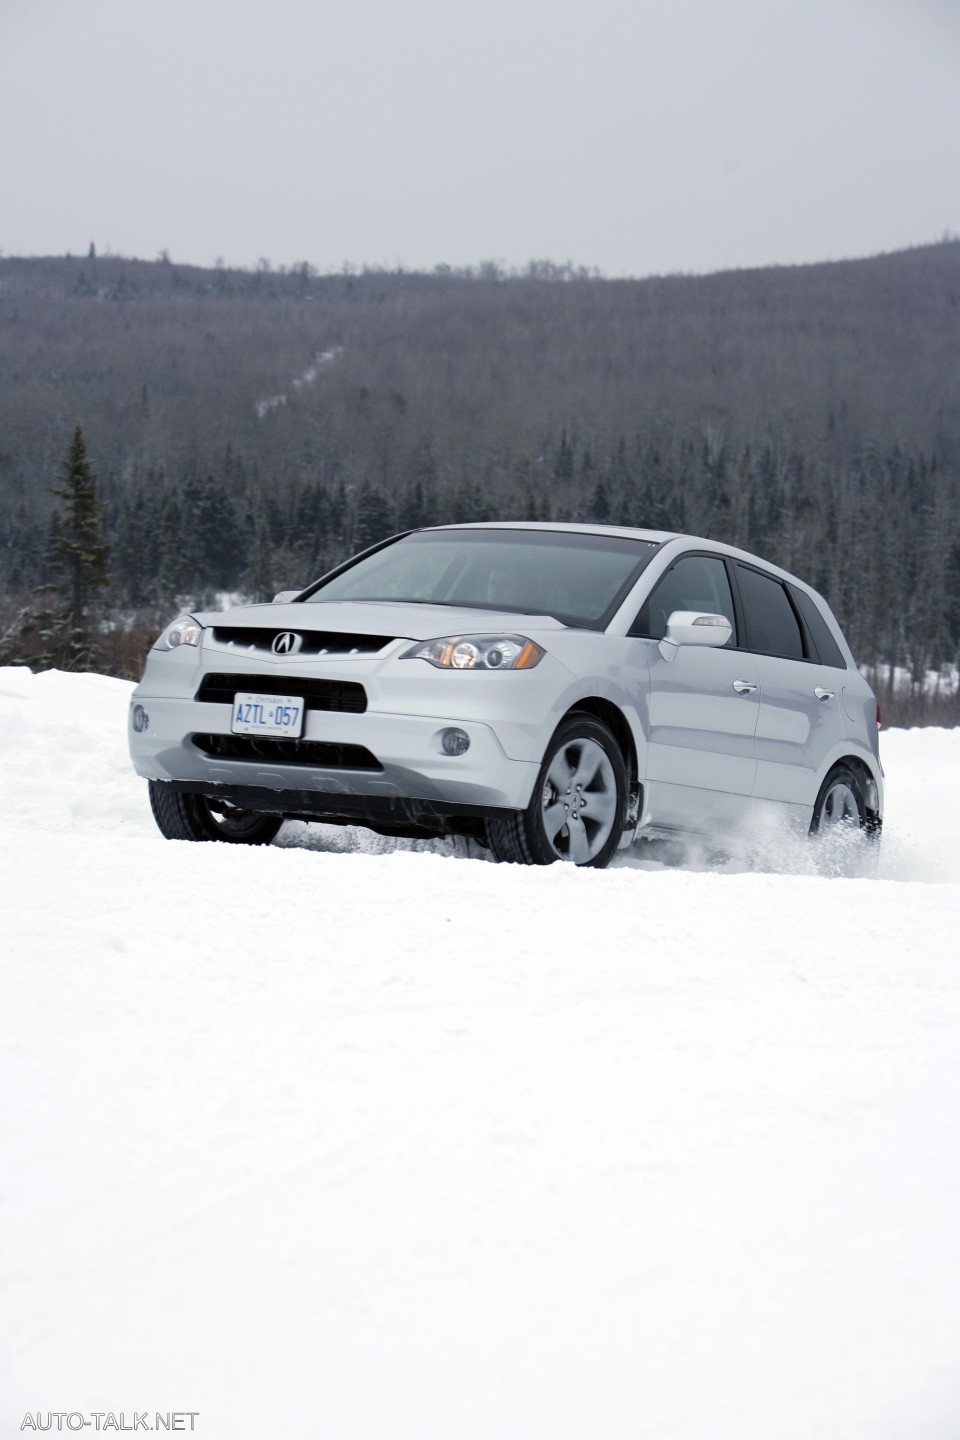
{"x": 322, "y": 754}
{"x": 343, "y": 695}
{"x": 313, "y": 642}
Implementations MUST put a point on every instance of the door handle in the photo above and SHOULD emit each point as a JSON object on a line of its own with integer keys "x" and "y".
{"x": 743, "y": 687}
{"x": 822, "y": 694}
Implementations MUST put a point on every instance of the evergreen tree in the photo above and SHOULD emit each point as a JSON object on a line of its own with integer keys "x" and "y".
{"x": 36, "y": 635}
{"x": 599, "y": 507}
{"x": 170, "y": 569}
{"x": 372, "y": 518}
{"x": 131, "y": 552}
{"x": 79, "y": 554}
{"x": 563, "y": 460}
{"x": 258, "y": 579}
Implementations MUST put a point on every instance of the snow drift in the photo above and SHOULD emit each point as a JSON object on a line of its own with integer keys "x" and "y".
{"x": 365, "y": 1138}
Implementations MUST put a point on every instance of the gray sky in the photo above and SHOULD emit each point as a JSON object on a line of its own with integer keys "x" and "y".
{"x": 638, "y": 136}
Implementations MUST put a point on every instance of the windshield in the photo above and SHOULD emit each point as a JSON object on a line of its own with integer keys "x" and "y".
{"x": 578, "y": 579}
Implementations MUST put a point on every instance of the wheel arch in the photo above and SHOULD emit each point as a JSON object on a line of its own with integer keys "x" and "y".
{"x": 872, "y": 789}
{"x": 618, "y": 724}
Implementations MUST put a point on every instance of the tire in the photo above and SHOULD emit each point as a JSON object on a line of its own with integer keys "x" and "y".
{"x": 845, "y": 834}
{"x": 191, "y": 817}
{"x": 579, "y": 803}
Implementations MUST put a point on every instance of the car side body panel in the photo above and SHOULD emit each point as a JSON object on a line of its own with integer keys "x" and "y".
{"x": 797, "y": 730}
{"x": 702, "y": 756}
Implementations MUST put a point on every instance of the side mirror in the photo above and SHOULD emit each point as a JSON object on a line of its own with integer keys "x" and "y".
{"x": 283, "y": 597}
{"x": 690, "y": 627}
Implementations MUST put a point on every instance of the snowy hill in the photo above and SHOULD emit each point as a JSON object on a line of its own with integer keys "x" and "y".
{"x": 363, "y": 1138}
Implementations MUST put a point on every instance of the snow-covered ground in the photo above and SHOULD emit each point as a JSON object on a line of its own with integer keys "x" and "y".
{"x": 370, "y": 1140}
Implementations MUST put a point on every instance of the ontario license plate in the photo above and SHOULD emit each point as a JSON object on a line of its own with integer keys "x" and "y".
{"x": 267, "y": 714}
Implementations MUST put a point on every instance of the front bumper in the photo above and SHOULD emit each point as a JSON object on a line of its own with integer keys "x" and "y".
{"x": 413, "y": 765}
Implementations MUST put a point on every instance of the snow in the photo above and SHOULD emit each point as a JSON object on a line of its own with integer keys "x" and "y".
{"x": 309, "y": 377}
{"x": 936, "y": 684}
{"x": 359, "y": 1138}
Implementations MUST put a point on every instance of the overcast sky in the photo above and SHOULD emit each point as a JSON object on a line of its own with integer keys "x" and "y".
{"x": 637, "y": 136}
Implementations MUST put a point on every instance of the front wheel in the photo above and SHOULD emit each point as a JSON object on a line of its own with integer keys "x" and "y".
{"x": 192, "y": 817}
{"x": 842, "y": 828}
{"x": 579, "y": 803}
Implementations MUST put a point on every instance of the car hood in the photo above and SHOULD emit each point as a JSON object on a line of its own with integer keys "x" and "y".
{"x": 369, "y": 617}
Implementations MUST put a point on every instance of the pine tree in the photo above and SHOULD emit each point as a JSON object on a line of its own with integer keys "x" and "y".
{"x": 599, "y": 507}
{"x": 35, "y": 637}
{"x": 372, "y": 518}
{"x": 79, "y": 554}
{"x": 258, "y": 578}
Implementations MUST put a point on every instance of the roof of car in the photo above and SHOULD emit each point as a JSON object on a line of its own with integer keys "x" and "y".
{"x": 655, "y": 537}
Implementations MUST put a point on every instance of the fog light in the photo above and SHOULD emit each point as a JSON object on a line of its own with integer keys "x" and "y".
{"x": 454, "y": 742}
{"x": 139, "y": 719}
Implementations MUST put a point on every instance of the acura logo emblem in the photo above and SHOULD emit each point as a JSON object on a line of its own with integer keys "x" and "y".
{"x": 287, "y": 643}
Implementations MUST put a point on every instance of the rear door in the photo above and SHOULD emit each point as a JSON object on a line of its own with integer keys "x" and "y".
{"x": 800, "y": 720}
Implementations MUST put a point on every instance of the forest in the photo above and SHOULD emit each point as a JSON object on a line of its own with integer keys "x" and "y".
{"x": 249, "y": 429}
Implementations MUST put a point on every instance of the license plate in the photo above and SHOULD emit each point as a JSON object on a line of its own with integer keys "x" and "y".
{"x": 267, "y": 714}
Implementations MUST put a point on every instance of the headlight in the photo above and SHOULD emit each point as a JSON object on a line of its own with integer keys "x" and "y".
{"x": 478, "y": 652}
{"x": 184, "y": 631}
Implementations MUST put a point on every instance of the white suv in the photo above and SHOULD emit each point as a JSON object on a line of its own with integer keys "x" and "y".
{"x": 555, "y": 691}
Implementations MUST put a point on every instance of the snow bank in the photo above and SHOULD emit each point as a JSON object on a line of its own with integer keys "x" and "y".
{"x": 313, "y": 1140}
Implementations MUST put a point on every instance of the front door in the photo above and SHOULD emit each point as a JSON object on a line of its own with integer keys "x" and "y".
{"x": 701, "y": 711}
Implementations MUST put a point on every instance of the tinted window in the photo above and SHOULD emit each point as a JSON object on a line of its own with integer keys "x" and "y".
{"x": 827, "y": 648}
{"x": 695, "y": 582}
{"x": 772, "y": 627}
{"x": 578, "y": 578}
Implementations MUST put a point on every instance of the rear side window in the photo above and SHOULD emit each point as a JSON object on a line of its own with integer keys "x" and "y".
{"x": 772, "y": 626}
{"x": 827, "y": 648}
{"x": 695, "y": 582}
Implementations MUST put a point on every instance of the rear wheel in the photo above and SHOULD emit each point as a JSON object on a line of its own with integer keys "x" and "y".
{"x": 845, "y": 836}
{"x": 578, "y": 808}
{"x": 192, "y": 817}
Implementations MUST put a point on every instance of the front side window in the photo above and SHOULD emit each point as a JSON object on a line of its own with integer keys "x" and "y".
{"x": 772, "y": 627}
{"x": 695, "y": 582}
